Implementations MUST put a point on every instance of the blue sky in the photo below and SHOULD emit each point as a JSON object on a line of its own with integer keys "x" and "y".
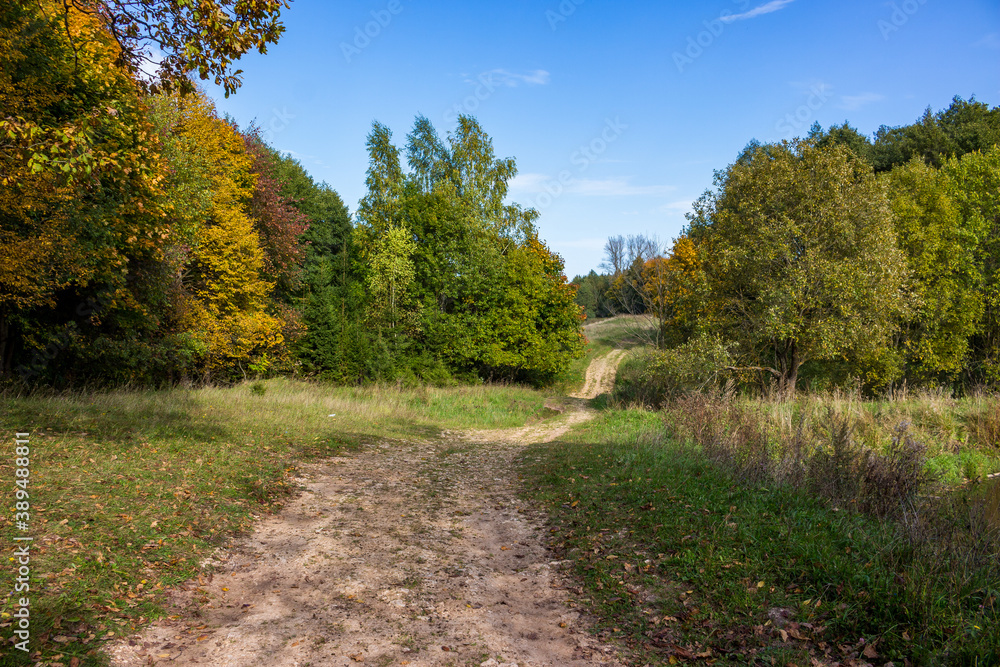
{"x": 617, "y": 112}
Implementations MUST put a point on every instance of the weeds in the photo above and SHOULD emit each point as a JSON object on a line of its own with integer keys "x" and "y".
{"x": 749, "y": 534}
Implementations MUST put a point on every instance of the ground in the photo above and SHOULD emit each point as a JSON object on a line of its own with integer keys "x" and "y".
{"x": 416, "y": 553}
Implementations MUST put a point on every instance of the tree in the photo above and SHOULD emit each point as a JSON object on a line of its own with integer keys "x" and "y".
{"x": 843, "y": 135}
{"x": 800, "y": 257}
{"x": 941, "y": 247}
{"x": 458, "y": 280}
{"x": 591, "y": 294}
{"x": 625, "y": 261}
{"x": 82, "y": 221}
{"x": 964, "y": 127}
{"x": 203, "y": 37}
{"x": 973, "y": 183}
{"x": 279, "y": 222}
{"x": 672, "y": 289}
{"x": 221, "y": 300}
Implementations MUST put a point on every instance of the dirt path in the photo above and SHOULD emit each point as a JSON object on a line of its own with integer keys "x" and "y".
{"x": 420, "y": 554}
{"x": 601, "y": 375}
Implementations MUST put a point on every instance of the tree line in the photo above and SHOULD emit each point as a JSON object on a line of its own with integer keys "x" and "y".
{"x": 836, "y": 259}
{"x": 147, "y": 240}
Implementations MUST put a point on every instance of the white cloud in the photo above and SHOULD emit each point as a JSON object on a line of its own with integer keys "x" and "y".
{"x": 501, "y": 77}
{"x": 682, "y": 206}
{"x": 616, "y": 187}
{"x": 855, "y": 102}
{"x": 760, "y": 10}
{"x": 529, "y": 183}
{"x": 990, "y": 41}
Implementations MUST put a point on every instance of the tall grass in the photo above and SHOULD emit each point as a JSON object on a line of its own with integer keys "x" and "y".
{"x": 717, "y": 527}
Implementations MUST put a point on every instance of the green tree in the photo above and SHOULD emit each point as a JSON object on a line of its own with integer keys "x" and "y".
{"x": 974, "y": 187}
{"x": 941, "y": 247}
{"x": 800, "y": 257}
{"x": 843, "y": 135}
{"x": 964, "y": 127}
{"x": 463, "y": 308}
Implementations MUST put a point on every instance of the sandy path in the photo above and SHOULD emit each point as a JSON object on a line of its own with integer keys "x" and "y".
{"x": 418, "y": 554}
{"x": 600, "y": 375}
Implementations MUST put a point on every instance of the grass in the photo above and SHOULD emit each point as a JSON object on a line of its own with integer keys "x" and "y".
{"x": 680, "y": 558}
{"x": 130, "y": 491}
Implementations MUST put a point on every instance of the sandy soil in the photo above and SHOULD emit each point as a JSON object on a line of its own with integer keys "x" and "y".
{"x": 414, "y": 554}
{"x": 600, "y": 375}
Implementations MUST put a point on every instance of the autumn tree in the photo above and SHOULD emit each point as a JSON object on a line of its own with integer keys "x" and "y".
{"x": 280, "y": 223}
{"x": 221, "y": 298}
{"x": 802, "y": 262}
{"x": 673, "y": 292}
{"x": 80, "y": 222}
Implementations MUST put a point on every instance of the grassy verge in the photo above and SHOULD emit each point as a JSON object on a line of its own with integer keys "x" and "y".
{"x": 129, "y": 491}
{"x": 683, "y": 561}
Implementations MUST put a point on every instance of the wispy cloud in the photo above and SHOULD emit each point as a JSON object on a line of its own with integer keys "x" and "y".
{"x": 529, "y": 183}
{"x": 533, "y": 184}
{"x": 616, "y": 187}
{"x": 501, "y": 77}
{"x": 760, "y": 10}
{"x": 682, "y": 206}
{"x": 990, "y": 41}
{"x": 855, "y": 102}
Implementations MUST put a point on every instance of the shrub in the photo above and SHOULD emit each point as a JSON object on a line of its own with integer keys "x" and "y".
{"x": 654, "y": 378}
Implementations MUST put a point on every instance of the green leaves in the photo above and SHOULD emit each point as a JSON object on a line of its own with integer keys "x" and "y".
{"x": 800, "y": 256}
{"x": 452, "y": 272}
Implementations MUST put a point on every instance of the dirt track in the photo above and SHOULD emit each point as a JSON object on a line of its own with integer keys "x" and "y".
{"x": 600, "y": 375}
{"x": 420, "y": 554}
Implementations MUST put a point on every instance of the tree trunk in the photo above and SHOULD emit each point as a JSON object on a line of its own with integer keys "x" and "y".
{"x": 789, "y": 364}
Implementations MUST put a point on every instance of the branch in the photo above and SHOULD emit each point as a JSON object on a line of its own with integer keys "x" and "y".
{"x": 773, "y": 372}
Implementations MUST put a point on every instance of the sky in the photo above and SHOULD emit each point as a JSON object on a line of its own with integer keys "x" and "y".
{"x": 617, "y": 113}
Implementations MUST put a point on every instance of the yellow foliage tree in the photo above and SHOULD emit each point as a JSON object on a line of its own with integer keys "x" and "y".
{"x": 79, "y": 176}
{"x": 670, "y": 288}
{"x": 221, "y": 295}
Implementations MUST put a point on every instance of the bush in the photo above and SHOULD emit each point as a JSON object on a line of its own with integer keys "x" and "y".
{"x": 818, "y": 453}
{"x": 656, "y": 377}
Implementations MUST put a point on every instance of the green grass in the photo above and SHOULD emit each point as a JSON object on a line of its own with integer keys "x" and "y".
{"x": 677, "y": 558}
{"x": 129, "y": 491}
